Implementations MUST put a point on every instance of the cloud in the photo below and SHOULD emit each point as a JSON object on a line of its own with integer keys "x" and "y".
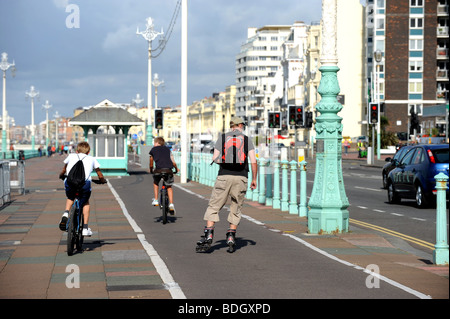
{"x": 62, "y": 4}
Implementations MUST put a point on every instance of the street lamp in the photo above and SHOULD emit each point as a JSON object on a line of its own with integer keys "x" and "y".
{"x": 32, "y": 94}
{"x": 46, "y": 106}
{"x": 328, "y": 202}
{"x": 156, "y": 83}
{"x": 378, "y": 57}
{"x": 4, "y": 66}
{"x": 57, "y": 116}
{"x": 149, "y": 34}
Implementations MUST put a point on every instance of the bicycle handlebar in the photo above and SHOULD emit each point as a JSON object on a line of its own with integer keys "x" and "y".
{"x": 95, "y": 181}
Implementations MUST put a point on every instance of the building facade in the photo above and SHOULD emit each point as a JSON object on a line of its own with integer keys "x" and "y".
{"x": 413, "y": 73}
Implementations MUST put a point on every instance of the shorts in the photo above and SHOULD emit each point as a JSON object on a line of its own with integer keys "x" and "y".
{"x": 157, "y": 176}
{"x": 84, "y": 194}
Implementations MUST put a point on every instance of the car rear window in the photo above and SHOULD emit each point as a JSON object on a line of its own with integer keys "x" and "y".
{"x": 441, "y": 155}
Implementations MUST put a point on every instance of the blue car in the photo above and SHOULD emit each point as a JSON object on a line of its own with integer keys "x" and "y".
{"x": 413, "y": 175}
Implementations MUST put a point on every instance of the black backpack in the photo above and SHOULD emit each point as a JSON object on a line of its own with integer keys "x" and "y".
{"x": 76, "y": 177}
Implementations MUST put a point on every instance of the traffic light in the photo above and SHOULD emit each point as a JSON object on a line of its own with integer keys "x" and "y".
{"x": 299, "y": 116}
{"x": 274, "y": 120}
{"x": 292, "y": 114}
{"x": 373, "y": 113}
{"x": 277, "y": 120}
{"x": 308, "y": 119}
{"x": 159, "y": 119}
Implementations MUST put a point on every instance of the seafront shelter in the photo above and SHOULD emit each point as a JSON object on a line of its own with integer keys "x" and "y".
{"x": 106, "y": 127}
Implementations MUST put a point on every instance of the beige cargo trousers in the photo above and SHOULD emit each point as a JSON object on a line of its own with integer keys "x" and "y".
{"x": 227, "y": 186}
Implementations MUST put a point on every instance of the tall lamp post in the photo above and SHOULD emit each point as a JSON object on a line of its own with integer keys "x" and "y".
{"x": 46, "y": 106}
{"x": 156, "y": 83}
{"x": 4, "y": 66}
{"x": 32, "y": 94}
{"x": 57, "y": 116}
{"x": 378, "y": 57}
{"x": 328, "y": 202}
{"x": 149, "y": 34}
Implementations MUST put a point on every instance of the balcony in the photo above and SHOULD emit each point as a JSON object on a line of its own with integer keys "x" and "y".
{"x": 441, "y": 53}
{"x": 442, "y": 32}
{"x": 442, "y": 75}
{"x": 442, "y": 10}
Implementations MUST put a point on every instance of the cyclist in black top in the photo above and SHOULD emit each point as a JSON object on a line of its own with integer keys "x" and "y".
{"x": 163, "y": 158}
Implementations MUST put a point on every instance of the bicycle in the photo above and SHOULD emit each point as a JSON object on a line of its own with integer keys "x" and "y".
{"x": 163, "y": 195}
{"x": 75, "y": 224}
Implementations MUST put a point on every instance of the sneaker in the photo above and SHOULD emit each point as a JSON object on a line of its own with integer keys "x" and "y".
{"x": 155, "y": 202}
{"x": 87, "y": 232}
{"x": 63, "y": 222}
{"x": 172, "y": 209}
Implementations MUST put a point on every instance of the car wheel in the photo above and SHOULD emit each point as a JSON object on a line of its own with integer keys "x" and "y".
{"x": 421, "y": 200}
{"x": 393, "y": 197}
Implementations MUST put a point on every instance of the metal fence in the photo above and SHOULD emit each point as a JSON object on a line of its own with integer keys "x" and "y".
{"x": 12, "y": 176}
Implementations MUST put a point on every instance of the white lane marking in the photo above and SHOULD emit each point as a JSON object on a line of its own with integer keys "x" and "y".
{"x": 161, "y": 268}
{"x": 369, "y": 189}
{"x": 393, "y": 283}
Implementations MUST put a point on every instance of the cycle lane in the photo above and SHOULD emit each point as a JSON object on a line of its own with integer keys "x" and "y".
{"x": 360, "y": 248}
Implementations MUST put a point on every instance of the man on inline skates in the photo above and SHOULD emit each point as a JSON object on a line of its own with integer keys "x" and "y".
{"x": 232, "y": 152}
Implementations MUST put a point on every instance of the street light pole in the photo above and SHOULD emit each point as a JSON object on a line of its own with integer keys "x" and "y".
{"x": 149, "y": 34}
{"x": 56, "y": 130}
{"x": 328, "y": 200}
{"x": 32, "y": 94}
{"x": 4, "y": 66}
{"x": 183, "y": 136}
{"x": 378, "y": 57}
{"x": 156, "y": 83}
{"x": 46, "y": 106}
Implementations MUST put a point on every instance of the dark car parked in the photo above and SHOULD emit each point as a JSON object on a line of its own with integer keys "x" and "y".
{"x": 413, "y": 176}
{"x": 392, "y": 162}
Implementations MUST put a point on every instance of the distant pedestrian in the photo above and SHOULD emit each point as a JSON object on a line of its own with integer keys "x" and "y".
{"x": 346, "y": 146}
{"x": 233, "y": 151}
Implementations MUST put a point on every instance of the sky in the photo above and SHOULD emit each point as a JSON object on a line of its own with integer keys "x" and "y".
{"x": 75, "y": 64}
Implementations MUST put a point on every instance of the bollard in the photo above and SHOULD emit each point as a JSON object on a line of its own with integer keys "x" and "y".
{"x": 269, "y": 182}
{"x": 249, "y": 194}
{"x": 293, "y": 209}
{"x": 255, "y": 193}
{"x": 262, "y": 181}
{"x": 284, "y": 186}
{"x": 440, "y": 253}
{"x": 302, "y": 208}
{"x": 276, "y": 185}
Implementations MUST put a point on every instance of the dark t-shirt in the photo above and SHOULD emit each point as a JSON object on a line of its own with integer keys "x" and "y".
{"x": 161, "y": 156}
{"x": 229, "y": 169}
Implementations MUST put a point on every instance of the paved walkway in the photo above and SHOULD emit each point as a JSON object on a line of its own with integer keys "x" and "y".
{"x": 34, "y": 262}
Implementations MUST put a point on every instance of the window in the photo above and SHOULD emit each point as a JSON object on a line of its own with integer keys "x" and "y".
{"x": 416, "y": 3}
{"x": 416, "y": 107}
{"x": 380, "y": 24}
{"x": 407, "y": 158}
{"x": 418, "y": 157}
{"x": 415, "y": 87}
{"x": 415, "y": 66}
{"x": 416, "y": 23}
{"x": 415, "y": 44}
{"x": 380, "y": 4}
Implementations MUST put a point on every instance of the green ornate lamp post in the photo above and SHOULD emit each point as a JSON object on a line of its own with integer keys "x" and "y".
{"x": 328, "y": 203}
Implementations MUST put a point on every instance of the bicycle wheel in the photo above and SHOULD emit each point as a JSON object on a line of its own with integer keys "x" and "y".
{"x": 71, "y": 231}
{"x": 164, "y": 205}
{"x": 80, "y": 237}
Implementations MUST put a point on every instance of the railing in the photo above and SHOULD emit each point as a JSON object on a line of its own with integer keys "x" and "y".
{"x": 276, "y": 185}
{"x": 12, "y": 176}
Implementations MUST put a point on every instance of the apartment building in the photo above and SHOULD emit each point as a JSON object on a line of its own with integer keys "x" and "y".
{"x": 413, "y": 72}
{"x": 257, "y": 65}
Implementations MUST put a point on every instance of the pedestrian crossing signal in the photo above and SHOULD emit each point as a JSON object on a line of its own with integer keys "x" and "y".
{"x": 274, "y": 120}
